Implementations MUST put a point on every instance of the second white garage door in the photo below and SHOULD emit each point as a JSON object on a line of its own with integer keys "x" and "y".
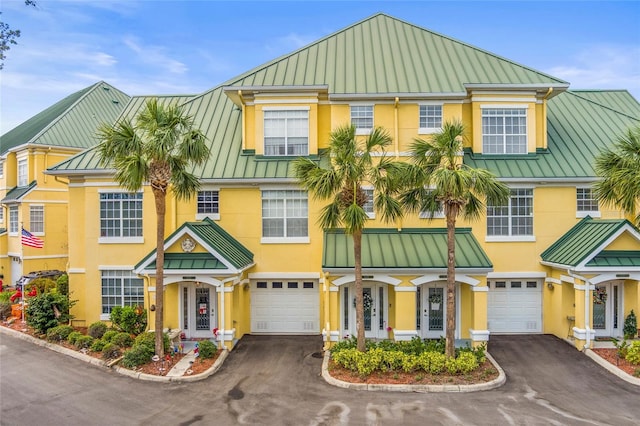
{"x": 285, "y": 307}
{"x": 515, "y": 306}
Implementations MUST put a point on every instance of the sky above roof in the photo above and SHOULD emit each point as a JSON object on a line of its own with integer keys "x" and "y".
{"x": 187, "y": 47}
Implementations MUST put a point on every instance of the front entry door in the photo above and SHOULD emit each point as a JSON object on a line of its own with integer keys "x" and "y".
{"x": 433, "y": 307}
{"x": 375, "y": 310}
{"x": 606, "y": 303}
{"x": 198, "y": 310}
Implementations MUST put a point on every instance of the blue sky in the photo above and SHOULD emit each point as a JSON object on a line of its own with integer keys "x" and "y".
{"x": 183, "y": 47}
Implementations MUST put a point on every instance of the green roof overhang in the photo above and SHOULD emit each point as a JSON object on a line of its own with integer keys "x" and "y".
{"x": 412, "y": 250}
{"x": 17, "y": 192}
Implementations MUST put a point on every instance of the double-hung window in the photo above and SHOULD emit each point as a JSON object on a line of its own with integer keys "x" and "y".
{"x": 120, "y": 288}
{"x": 586, "y": 203}
{"x": 121, "y": 216}
{"x": 430, "y": 118}
{"x": 368, "y": 206}
{"x": 23, "y": 178}
{"x": 362, "y": 118}
{"x": 13, "y": 220}
{"x": 513, "y": 220}
{"x": 36, "y": 219}
{"x": 504, "y": 130}
{"x": 208, "y": 204}
{"x": 286, "y": 132}
{"x": 285, "y": 216}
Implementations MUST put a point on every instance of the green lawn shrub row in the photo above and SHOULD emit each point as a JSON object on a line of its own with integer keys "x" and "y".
{"x": 633, "y": 353}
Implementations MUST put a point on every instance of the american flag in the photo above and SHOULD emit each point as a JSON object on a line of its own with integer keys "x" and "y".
{"x": 29, "y": 240}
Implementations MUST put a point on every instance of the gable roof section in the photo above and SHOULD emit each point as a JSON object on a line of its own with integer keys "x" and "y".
{"x": 583, "y": 245}
{"x": 70, "y": 122}
{"x": 408, "y": 249}
{"x": 17, "y": 192}
{"x": 577, "y": 130}
{"x": 225, "y": 254}
{"x": 619, "y": 100}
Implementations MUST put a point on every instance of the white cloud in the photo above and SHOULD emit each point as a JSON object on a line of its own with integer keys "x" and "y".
{"x": 154, "y": 55}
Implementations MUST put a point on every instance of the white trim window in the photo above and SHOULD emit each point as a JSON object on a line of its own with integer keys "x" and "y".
{"x": 285, "y": 216}
{"x": 362, "y": 118}
{"x": 13, "y": 220}
{"x": 1, "y": 215}
{"x": 120, "y": 288}
{"x": 36, "y": 219}
{"x": 286, "y": 132}
{"x": 1, "y": 169}
{"x": 23, "y": 170}
{"x": 208, "y": 204}
{"x": 368, "y": 206}
{"x": 430, "y": 118}
{"x": 586, "y": 203}
{"x": 513, "y": 220}
{"x": 121, "y": 216}
{"x": 504, "y": 130}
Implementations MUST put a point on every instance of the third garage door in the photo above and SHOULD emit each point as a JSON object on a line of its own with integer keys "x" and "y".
{"x": 515, "y": 306}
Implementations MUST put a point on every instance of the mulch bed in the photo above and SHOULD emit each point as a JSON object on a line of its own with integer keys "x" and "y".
{"x": 611, "y": 355}
{"x": 485, "y": 373}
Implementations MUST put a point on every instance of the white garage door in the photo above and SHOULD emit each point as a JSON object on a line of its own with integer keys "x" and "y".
{"x": 515, "y": 306}
{"x": 285, "y": 307}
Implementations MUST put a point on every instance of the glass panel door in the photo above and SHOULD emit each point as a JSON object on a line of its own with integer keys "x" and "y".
{"x": 369, "y": 308}
{"x": 202, "y": 309}
{"x": 433, "y": 304}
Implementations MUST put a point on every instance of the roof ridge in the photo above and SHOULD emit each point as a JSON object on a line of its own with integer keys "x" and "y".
{"x": 573, "y": 92}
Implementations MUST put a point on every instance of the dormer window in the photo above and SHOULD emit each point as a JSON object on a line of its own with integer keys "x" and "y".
{"x": 23, "y": 178}
{"x": 286, "y": 132}
{"x": 430, "y": 118}
{"x": 504, "y": 130}
{"x": 362, "y": 118}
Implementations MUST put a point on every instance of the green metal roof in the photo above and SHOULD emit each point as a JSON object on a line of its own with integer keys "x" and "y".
{"x": 413, "y": 248}
{"x": 619, "y": 100}
{"x": 214, "y": 238}
{"x": 616, "y": 258}
{"x": 71, "y": 122}
{"x": 18, "y": 192}
{"x": 185, "y": 261}
{"x": 581, "y": 241}
{"x": 577, "y": 130}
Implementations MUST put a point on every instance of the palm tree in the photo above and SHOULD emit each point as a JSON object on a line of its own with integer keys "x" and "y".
{"x": 619, "y": 168}
{"x": 351, "y": 166}
{"x": 158, "y": 147}
{"x": 438, "y": 179}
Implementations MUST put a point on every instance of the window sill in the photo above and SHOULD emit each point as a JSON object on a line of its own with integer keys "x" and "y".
{"x": 510, "y": 239}
{"x": 428, "y": 130}
{"x": 363, "y": 131}
{"x": 118, "y": 240}
{"x": 581, "y": 215}
{"x": 278, "y": 240}
{"x": 105, "y": 317}
{"x": 212, "y": 216}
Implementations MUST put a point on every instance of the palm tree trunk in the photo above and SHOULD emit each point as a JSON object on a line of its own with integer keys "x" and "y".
{"x": 159, "y": 196}
{"x": 452, "y": 213}
{"x": 357, "y": 253}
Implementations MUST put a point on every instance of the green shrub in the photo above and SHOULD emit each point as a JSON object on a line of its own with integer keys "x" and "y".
{"x": 466, "y": 362}
{"x": 73, "y": 336}
{"x": 5, "y": 296}
{"x": 136, "y": 356}
{"x": 122, "y": 339}
{"x": 62, "y": 284}
{"x": 83, "y": 342}
{"x": 432, "y": 362}
{"x": 97, "y": 329}
{"x": 451, "y": 365}
{"x": 393, "y": 360}
{"x": 98, "y": 345}
{"x": 59, "y": 333}
{"x": 630, "y": 328}
{"x": 633, "y": 353}
{"x": 5, "y": 309}
{"x": 109, "y": 335}
{"x": 410, "y": 363}
{"x": 132, "y": 320}
{"x": 621, "y": 346}
{"x": 148, "y": 340}
{"x": 43, "y": 284}
{"x": 207, "y": 349}
{"x": 47, "y": 310}
{"x": 110, "y": 351}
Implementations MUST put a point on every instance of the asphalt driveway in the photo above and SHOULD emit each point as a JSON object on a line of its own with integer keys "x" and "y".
{"x": 276, "y": 380}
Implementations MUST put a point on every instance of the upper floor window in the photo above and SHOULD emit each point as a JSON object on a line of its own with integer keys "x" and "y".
{"x": 515, "y": 219}
{"x": 1, "y": 168}
{"x": 587, "y": 204}
{"x": 362, "y": 118}
{"x": 368, "y": 206}
{"x": 208, "y": 204}
{"x": 13, "y": 220}
{"x": 1, "y": 215}
{"x": 121, "y": 215}
{"x": 286, "y": 132}
{"x": 504, "y": 131}
{"x": 23, "y": 178}
{"x": 36, "y": 219}
{"x": 120, "y": 288}
{"x": 430, "y": 118}
{"x": 285, "y": 215}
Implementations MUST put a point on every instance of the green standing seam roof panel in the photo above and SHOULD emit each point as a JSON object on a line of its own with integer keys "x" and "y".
{"x": 419, "y": 248}
{"x": 581, "y": 240}
{"x": 616, "y": 258}
{"x": 190, "y": 261}
{"x": 71, "y": 122}
{"x": 619, "y": 100}
{"x": 18, "y": 192}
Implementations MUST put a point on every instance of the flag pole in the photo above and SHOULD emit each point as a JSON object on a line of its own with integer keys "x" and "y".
{"x": 24, "y": 311}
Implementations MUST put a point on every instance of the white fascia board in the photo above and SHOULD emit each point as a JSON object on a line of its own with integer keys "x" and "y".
{"x": 497, "y": 275}
{"x": 392, "y": 96}
{"x": 284, "y": 275}
{"x": 626, "y": 228}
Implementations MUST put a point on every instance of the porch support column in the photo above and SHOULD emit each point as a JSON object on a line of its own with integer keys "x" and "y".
{"x": 332, "y": 333}
{"x": 226, "y": 329}
{"x": 479, "y": 330}
{"x": 582, "y": 331}
{"x": 403, "y": 320}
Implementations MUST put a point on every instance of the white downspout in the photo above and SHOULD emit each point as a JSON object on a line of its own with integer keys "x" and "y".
{"x": 587, "y": 317}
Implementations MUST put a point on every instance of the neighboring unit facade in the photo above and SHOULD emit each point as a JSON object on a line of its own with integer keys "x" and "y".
{"x": 246, "y": 254}
{"x": 34, "y": 201}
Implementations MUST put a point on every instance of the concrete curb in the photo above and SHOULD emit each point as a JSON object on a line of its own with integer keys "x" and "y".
{"x": 108, "y": 365}
{"x": 612, "y": 368}
{"x": 495, "y": 383}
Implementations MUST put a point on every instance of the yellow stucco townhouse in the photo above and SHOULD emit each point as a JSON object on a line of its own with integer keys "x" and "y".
{"x": 246, "y": 254}
{"x": 35, "y": 201}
